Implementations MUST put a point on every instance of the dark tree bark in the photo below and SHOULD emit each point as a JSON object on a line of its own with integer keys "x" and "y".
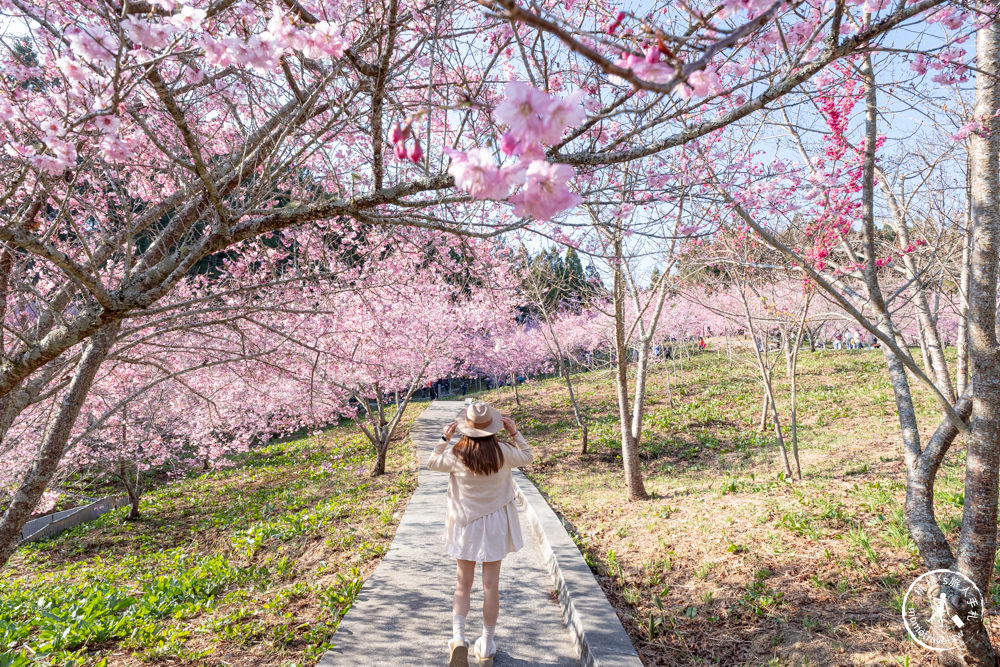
{"x": 57, "y": 433}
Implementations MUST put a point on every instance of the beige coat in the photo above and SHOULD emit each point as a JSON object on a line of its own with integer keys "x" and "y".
{"x": 473, "y": 496}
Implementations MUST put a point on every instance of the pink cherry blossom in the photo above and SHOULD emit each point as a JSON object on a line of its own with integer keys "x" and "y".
{"x": 416, "y": 153}
{"x": 148, "y": 34}
{"x": 72, "y": 69}
{"x": 525, "y": 111}
{"x": 700, "y": 83}
{"x": 107, "y": 124}
{"x": 94, "y": 44}
{"x": 189, "y": 17}
{"x": 325, "y": 40}
{"x": 562, "y": 114}
{"x": 52, "y": 128}
{"x": 477, "y": 173}
{"x": 545, "y": 193}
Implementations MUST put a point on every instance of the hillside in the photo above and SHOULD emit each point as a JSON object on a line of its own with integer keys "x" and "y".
{"x": 729, "y": 563}
{"x": 251, "y": 565}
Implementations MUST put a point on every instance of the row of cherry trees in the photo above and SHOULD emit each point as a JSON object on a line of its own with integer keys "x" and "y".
{"x": 353, "y": 333}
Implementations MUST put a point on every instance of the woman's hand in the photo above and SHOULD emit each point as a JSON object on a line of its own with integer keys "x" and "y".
{"x": 449, "y": 430}
{"x": 509, "y": 426}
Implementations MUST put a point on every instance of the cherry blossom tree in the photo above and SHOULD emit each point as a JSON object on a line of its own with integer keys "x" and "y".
{"x": 149, "y": 141}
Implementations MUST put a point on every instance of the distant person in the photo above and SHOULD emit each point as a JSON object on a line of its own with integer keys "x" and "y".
{"x": 838, "y": 341}
{"x": 701, "y": 344}
{"x": 669, "y": 352}
{"x": 482, "y": 525}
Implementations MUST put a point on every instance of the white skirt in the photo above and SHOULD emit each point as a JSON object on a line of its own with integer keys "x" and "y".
{"x": 486, "y": 539}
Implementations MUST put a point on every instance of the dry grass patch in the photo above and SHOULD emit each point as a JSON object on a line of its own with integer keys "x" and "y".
{"x": 729, "y": 563}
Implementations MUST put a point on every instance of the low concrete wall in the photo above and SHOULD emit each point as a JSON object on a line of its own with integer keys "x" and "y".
{"x": 593, "y": 624}
{"x": 55, "y": 523}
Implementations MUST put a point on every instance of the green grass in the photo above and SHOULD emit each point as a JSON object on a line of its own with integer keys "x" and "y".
{"x": 260, "y": 560}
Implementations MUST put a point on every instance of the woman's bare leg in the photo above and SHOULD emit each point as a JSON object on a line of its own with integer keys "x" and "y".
{"x": 463, "y": 587}
{"x": 491, "y": 592}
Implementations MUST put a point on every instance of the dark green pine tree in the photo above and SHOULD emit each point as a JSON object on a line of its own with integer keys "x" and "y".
{"x": 575, "y": 278}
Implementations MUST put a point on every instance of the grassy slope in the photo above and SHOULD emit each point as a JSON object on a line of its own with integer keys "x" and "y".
{"x": 251, "y": 565}
{"x": 727, "y": 563}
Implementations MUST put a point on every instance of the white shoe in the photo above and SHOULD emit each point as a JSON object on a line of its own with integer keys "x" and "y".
{"x": 484, "y": 654}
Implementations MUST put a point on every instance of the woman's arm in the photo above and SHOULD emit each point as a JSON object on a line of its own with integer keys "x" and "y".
{"x": 521, "y": 453}
{"x": 439, "y": 459}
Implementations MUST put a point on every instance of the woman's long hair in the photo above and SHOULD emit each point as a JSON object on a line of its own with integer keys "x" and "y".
{"x": 482, "y": 456}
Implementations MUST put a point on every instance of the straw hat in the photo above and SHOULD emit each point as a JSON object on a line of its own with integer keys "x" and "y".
{"x": 479, "y": 419}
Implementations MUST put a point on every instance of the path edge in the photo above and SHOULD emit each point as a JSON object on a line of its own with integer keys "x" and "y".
{"x": 597, "y": 633}
{"x": 50, "y": 525}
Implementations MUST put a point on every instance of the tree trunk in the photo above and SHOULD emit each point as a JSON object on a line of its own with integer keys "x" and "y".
{"x": 769, "y": 401}
{"x": 380, "y": 452}
{"x": 962, "y": 342}
{"x": 765, "y": 404}
{"x": 978, "y": 538}
{"x": 930, "y": 342}
{"x": 630, "y": 442}
{"x": 581, "y": 421}
{"x": 517, "y": 394}
{"x": 37, "y": 478}
{"x": 670, "y": 393}
{"x": 925, "y": 354}
{"x": 794, "y": 369}
{"x": 130, "y": 489}
{"x": 786, "y": 346}
{"x": 765, "y": 377}
{"x": 566, "y": 370}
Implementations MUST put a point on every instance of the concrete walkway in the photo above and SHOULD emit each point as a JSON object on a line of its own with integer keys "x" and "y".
{"x": 403, "y": 614}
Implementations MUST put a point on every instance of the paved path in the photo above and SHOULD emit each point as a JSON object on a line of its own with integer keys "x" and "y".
{"x": 403, "y": 614}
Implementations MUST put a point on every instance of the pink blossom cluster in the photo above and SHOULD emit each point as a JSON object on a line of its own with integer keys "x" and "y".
{"x": 533, "y": 119}
{"x": 950, "y": 65}
{"x": 263, "y": 50}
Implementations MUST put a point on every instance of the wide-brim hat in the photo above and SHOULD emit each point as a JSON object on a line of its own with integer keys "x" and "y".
{"x": 478, "y": 420}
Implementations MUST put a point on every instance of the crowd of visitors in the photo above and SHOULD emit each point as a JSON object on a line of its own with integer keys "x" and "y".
{"x": 855, "y": 340}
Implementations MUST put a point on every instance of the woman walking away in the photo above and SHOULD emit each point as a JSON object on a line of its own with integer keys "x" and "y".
{"x": 482, "y": 524}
